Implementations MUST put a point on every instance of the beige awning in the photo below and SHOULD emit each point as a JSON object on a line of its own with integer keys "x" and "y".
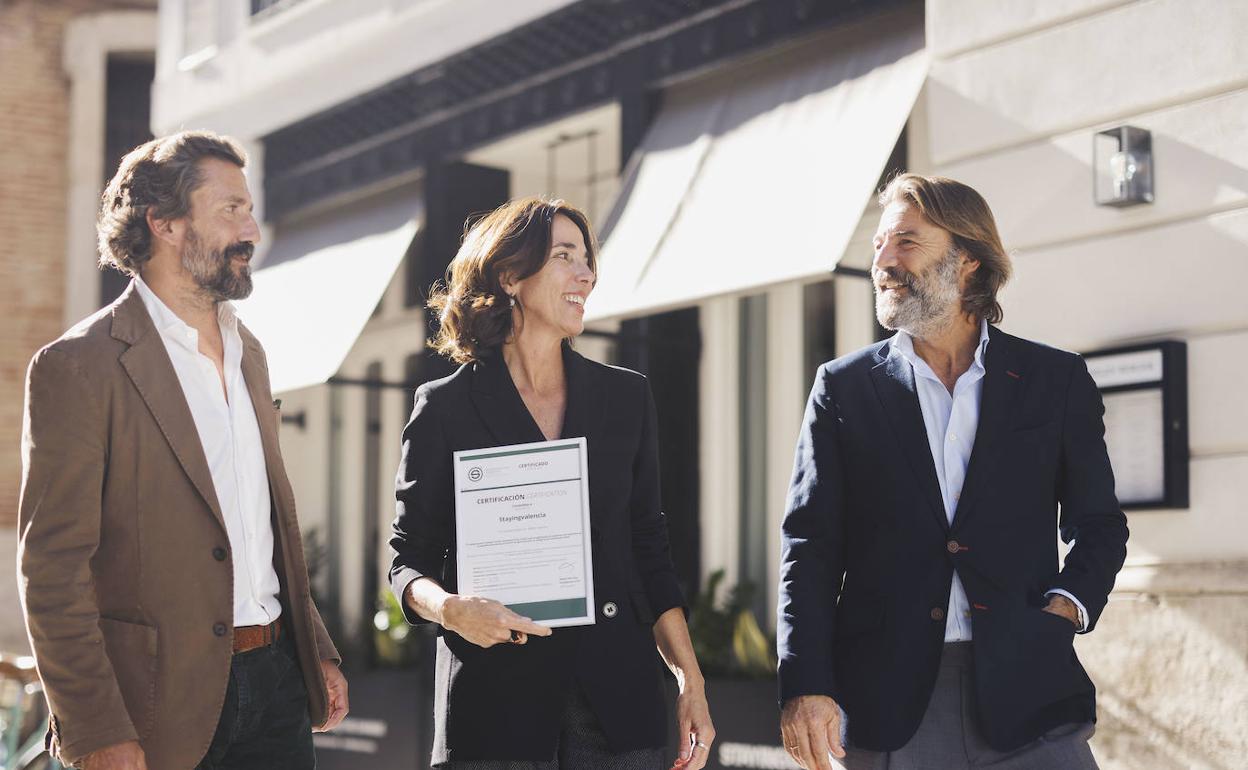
{"x": 758, "y": 175}
{"x": 320, "y": 283}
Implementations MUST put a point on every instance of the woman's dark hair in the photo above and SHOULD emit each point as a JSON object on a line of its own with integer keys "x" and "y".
{"x": 513, "y": 240}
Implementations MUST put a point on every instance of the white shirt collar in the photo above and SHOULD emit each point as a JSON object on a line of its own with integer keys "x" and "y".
{"x": 903, "y": 343}
{"x": 168, "y": 322}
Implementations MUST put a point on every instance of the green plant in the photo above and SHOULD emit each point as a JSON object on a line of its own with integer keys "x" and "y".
{"x": 727, "y": 637}
{"x": 394, "y": 639}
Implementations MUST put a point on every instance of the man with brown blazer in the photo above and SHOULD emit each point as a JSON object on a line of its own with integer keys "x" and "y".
{"x": 161, "y": 569}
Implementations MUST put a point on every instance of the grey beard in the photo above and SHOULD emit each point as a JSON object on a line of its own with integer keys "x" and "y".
{"x": 212, "y": 272}
{"x": 933, "y": 300}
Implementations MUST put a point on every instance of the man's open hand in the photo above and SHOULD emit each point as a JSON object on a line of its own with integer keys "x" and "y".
{"x": 811, "y": 726}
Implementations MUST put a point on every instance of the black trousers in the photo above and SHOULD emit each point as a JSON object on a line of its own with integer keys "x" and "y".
{"x": 582, "y": 746}
{"x": 264, "y": 722}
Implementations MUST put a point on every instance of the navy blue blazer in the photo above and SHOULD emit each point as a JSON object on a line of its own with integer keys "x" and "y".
{"x": 506, "y": 702}
{"x": 868, "y": 556}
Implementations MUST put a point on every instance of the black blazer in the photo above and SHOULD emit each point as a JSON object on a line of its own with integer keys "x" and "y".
{"x": 506, "y": 702}
{"x": 868, "y": 557}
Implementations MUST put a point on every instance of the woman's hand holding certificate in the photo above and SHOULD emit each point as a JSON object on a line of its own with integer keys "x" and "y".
{"x": 485, "y": 622}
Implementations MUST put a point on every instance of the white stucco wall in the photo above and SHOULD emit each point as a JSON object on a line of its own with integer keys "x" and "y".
{"x": 1016, "y": 92}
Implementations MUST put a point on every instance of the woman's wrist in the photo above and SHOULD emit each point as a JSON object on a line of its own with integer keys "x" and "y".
{"x": 445, "y": 610}
{"x": 429, "y": 600}
{"x": 689, "y": 681}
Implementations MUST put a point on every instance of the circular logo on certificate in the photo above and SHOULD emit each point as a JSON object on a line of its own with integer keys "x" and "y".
{"x": 475, "y": 474}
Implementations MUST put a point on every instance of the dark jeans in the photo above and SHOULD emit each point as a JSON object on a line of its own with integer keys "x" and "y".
{"x": 264, "y": 722}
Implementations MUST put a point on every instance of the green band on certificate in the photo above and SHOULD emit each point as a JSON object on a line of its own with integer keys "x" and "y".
{"x": 538, "y": 450}
{"x": 561, "y": 608}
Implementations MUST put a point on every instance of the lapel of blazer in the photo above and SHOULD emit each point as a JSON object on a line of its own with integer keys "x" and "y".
{"x": 499, "y": 404}
{"x": 586, "y": 404}
{"x": 1004, "y": 381}
{"x": 147, "y": 363}
{"x": 508, "y": 420}
{"x": 583, "y": 416}
{"x": 256, "y": 376}
{"x": 894, "y": 384}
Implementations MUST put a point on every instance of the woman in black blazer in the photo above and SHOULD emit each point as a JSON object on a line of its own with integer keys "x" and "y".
{"x": 509, "y": 692}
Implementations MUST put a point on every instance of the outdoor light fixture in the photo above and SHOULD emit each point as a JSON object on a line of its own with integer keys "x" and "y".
{"x": 1123, "y": 166}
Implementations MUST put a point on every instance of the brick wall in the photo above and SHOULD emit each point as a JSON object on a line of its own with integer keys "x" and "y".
{"x": 34, "y": 103}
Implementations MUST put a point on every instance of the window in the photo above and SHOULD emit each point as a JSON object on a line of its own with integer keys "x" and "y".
{"x": 752, "y": 553}
{"x": 372, "y": 488}
{"x": 819, "y": 326}
{"x": 127, "y": 115}
{"x": 267, "y": 8}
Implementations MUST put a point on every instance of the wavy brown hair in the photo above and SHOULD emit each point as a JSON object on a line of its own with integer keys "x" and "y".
{"x": 473, "y": 310}
{"x": 159, "y": 176}
{"x": 964, "y": 214}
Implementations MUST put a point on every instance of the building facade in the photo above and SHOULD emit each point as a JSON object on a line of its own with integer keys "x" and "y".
{"x": 1016, "y": 93}
{"x": 729, "y": 150}
{"x": 74, "y": 87}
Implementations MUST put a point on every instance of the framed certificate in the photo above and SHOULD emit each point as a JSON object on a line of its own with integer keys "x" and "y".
{"x": 522, "y": 532}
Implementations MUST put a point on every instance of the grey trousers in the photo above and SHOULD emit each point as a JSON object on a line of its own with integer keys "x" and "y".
{"x": 949, "y": 739}
{"x": 582, "y": 746}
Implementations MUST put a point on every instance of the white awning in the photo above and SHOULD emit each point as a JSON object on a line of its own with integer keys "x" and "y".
{"x": 759, "y": 175}
{"x": 320, "y": 284}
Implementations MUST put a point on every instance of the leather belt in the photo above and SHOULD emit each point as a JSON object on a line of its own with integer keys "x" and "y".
{"x": 252, "y": 637}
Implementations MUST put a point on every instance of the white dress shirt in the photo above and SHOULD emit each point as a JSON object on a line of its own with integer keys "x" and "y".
{"x": 230, "y": 436}
{"x": 951, "y": 420}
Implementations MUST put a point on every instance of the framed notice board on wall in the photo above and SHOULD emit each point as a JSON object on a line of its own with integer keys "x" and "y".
{"x": 1145, "y": 392}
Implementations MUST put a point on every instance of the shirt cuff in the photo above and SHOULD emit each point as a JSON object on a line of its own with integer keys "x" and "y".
{"x": 1083, "y": 614}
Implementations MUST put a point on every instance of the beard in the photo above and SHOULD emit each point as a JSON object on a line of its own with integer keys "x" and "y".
{"x": 213, "y": 269}
{"x": 932, "y": 298}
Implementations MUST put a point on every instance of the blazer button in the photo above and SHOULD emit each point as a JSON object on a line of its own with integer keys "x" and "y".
{"x": 938, "y": 613}
{"x": 952, "y": 546}
{"x": 609, "y": 610}
{"x": 219, "y": 629}
{"x": 218, "y": 553}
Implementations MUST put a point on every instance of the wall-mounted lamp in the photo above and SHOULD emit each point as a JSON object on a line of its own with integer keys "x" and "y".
{"x": 1123, "y": 166}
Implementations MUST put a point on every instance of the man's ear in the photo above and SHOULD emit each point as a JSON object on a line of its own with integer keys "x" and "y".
{"x": 969, "y": 265}
{"x": 168, "y": 230}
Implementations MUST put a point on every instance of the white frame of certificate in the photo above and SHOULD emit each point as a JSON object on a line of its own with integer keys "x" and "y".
{"x": 522, "y": 529}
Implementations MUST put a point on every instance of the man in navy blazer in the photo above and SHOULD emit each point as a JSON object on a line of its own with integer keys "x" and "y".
{"x": 922, "y": 598}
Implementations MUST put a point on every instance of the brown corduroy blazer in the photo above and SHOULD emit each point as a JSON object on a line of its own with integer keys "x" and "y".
{"x": 128, "y": 601}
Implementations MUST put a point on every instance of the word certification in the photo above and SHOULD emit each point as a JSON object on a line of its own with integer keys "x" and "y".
{"x": 522, "y": 531}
